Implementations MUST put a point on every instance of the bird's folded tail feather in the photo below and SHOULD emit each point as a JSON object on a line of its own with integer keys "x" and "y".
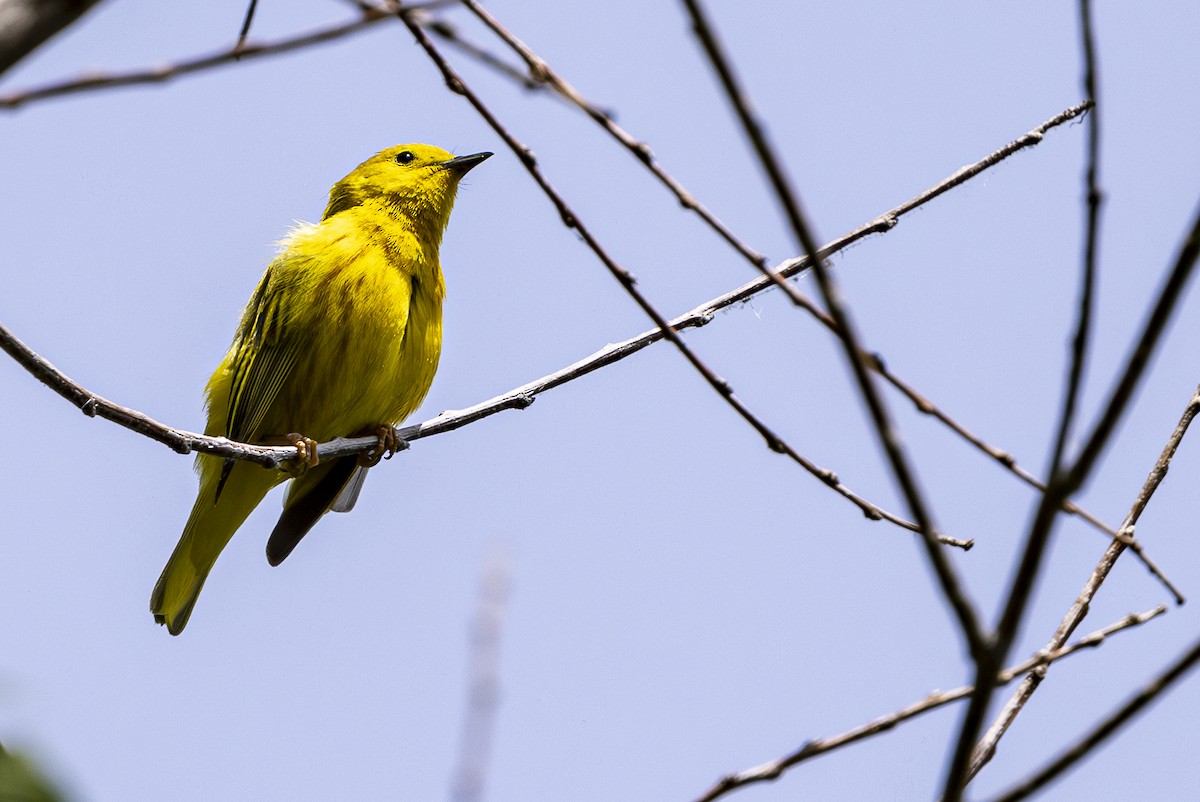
{"x": 309, "y": 497}
{"x": 210, "y": 526}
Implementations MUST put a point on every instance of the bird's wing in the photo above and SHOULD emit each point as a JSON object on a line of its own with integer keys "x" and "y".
{"x": 264, "y": 353}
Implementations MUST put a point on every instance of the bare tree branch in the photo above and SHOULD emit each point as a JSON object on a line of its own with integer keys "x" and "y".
{"x": 444, "y": 30}
{"x": 246, "y": 23}
{"x": 1064, "y": 483}
{"x": 93, "y": 405}
{"x": 521, "y": 397}
{"x": 542, "y": 71}
{"x": 623, "y": 277}
{"x": 370, "y": 13}
{"x": 1071, "y": 480}
{"x": 166, "y": 72}
{"x": 952, "y": 588}
{"x": 776, "y": 768}
{"x": 986, "y": 748}
{"x": 1109, "y": 726}
{"x": 541, "y": 74}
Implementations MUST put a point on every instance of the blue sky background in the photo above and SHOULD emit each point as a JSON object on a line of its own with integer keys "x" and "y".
{"x": 685, "y": 603}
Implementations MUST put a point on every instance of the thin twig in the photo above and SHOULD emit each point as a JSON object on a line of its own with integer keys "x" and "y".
{"x": 371, "y": 13}
{"x": 246, "y": 23}
{"x": 1071, "y": 480}
{"x": 1058, "y": 489}
{"x": 623, "y": 277}
{"x": 542, "y": 75}
{"x": 1109, "y": 726}
{"x": 521, "y": 397}
{"x": 165, "y": 72}
{"x": 483, "y": 696}
{"x": 540, "y": 70}
{"x": 448, "y": 33}
{"x": 184, "y": 442}
{"x": 1156, "y": 323}
{"x": 986, "y": 748}
{"x": 776, "y": 768}
{"x": 952, "y": 588}
{"x": 93, "y": 405}
{"x": 1009, "y": 461}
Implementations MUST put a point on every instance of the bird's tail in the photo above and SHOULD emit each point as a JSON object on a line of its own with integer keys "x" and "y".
{"x": 333, "y": 484}
{"x": 214, "y": 519}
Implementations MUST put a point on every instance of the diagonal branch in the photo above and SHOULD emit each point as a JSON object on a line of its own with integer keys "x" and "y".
{"x": 623, "y": 277}
{"x": 369, "y": 14}
{"x": 986, "y": 748}
{"x": 94, "y": 405}
{"x": 776, "y": 768}
{"x": 1109, "y": 726}
{"x": 161, "y": 74}
{"x": 540, "y": 70}
{"x": 952, "y": 589}
{"x": 540, "y": 74}
{"x": 1038, "y": 538}
{"x": 246, "y": 23}
{"x": 1071, "y": 480}
{"x": 521, "y": 397}
{"x": 270, "y": 457}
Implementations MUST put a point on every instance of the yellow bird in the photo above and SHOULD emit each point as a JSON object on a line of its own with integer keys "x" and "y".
{"x": 341, "y": 338}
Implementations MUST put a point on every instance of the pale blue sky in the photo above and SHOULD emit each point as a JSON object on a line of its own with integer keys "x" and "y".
{"x": 685, "y": 603}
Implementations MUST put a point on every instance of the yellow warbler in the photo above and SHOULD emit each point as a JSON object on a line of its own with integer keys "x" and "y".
{"x": 341, "y": 338}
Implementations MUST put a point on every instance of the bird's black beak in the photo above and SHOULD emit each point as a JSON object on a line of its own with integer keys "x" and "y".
{"x": 461, "y": 164}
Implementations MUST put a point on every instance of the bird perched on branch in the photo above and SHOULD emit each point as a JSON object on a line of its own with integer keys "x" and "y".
{"x": 341, "y": 338}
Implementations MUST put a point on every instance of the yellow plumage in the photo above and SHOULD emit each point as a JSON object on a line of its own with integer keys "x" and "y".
{"x": 341, "y": 336}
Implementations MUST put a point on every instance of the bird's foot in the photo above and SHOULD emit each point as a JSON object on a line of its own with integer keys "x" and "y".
{"x": 389, "y": 444}
{"x": 306, "y": 454}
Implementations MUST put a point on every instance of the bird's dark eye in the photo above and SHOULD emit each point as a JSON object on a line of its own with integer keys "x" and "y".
{"x": 405, "y": 157}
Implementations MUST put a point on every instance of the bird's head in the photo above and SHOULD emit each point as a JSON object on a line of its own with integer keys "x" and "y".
{"x": 411, "y": 183}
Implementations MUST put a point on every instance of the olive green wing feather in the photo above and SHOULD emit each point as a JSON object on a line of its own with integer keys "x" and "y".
{"x": 265, "y": 351}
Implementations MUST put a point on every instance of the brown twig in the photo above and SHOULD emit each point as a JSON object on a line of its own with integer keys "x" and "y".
{"x": 1071, "y": 480}
{"x": 986, "y": 748}
{"x": 1103, "y": 731}
{"x": 952, "y": 588}
{"x": 521, "y": 397}
{"x": 541, "y": 74}
{"x": 184, "y": 442}
{"x": 370, "y": 12}
{"x": 623, "y": 277}
{"x": 246, "y": 23}
{"x": 776, "y": 768}
{"x": 1064, "y": 483}
{"x": 540, "y": 71}
{"x": 1009, "y": 461}
{"x": 443, "y": 30}
{"x": 448, "y": 33}
{"x": 166, "y": 72}
{"x": 94, "y": 405}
